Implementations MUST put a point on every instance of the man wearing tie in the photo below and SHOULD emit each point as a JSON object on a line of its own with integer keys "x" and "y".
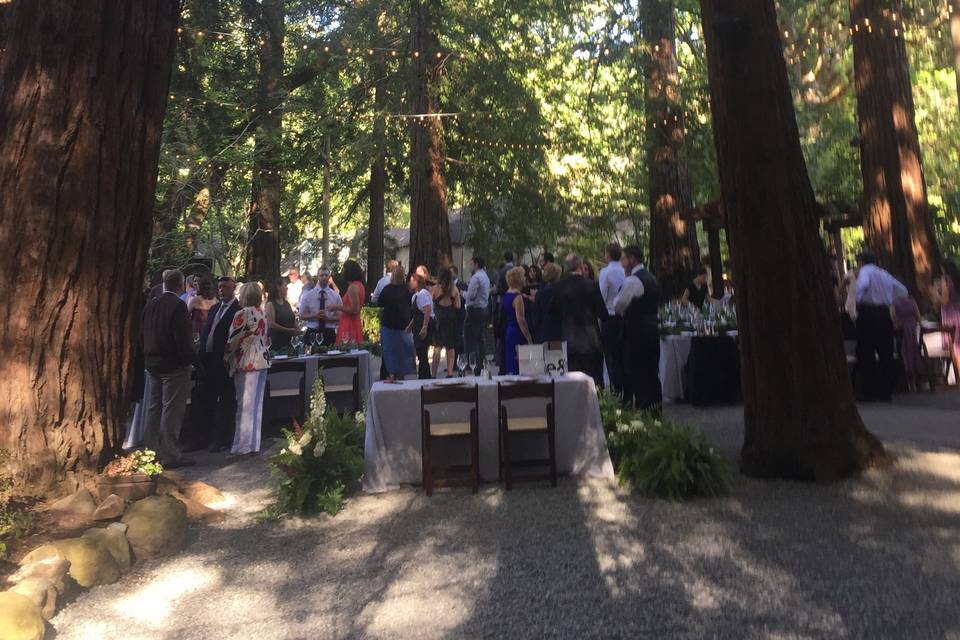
{"x": 217, "y": 394}
{"x": 313, "y": 308}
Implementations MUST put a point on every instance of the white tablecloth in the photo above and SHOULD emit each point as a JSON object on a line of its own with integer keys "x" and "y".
{"x": 392, "y": 451}
{"x": 674, "y": 352}
{"x": 333, "y": 376}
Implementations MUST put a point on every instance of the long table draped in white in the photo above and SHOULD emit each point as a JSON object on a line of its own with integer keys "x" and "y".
{"x": 392, "y": 451}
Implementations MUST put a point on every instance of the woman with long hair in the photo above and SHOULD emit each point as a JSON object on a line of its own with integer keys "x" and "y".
{"x": 446, "y": 306}
{"x": 281, "y": 319}
{"x": 396, "y": 343}
{"x": 350, "y": 328}
{"x": 198, "y": 305}
{"x": 246, "y": 360}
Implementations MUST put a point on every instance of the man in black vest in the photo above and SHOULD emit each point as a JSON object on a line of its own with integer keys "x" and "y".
{"x": 217, "y": 394}
{"x": 639, "y": 304}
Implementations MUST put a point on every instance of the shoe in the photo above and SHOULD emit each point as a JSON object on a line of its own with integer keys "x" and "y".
{"x": 177, "y": 463}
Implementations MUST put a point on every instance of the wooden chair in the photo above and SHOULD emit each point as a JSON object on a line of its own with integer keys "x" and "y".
{"x": 339, "y": 390}
{"x": 937, "y": 358}
{"x": 285, "y": 403}
{"x": 432, "y": 431}
{"x": 509, "y": 427}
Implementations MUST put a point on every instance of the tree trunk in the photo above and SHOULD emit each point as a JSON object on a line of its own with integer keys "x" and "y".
{"x": 429, "y": 224}
{"x": 799, "y": 413}
{"x": 263, "y": 245}
{"x": 897, "y": 221}
{"x": 83, "y": 89}
{"x": 955, "y": 38}
{"x": 376, "y": 226}
{"x": 674, "y": 250}
{"x": 716, "y": 256}
{"x": 202, "y": 204}
{"x": 325, "y": 205}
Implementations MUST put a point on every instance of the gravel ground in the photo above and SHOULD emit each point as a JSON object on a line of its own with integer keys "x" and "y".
{"x": 875, "y": 557}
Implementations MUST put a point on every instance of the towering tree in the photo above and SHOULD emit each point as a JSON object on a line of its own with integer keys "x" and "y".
{"x": 83, "y": 88}
{"x": 799, "y": 412}
{"x": 897, "y": 220}
{"x": 674, "y": 250}
{"x": 429, "y": 225}
{"x": 376, "y": 224}
{"x": 263, "y": 244}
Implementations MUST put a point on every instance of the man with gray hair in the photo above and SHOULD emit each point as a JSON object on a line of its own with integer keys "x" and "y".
{"x": 578, "y": 305}
{"x": 167, "y": 342}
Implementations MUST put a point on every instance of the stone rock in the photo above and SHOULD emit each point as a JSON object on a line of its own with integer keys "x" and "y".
{"x": 42, "y": 592}
{"x": 196, "y": 490}
{"x": 114, "y": 538}
{"x": 45, "y": 562}
{"x": 91, "y": 563}
{"x": 80, "y": 503}
{"x": 20, "y": 618}
{"x": 111, "y": 507}
{"x": 156, "y": 526}
{"x": 199, "y": 512}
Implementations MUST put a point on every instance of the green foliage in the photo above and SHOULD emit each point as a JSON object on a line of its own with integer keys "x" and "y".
{"x": 660, "y": 458}
{"x": 321, "y": 462}
{"x": 15, "y": 518}
{"x": 139, "y": 461}
{"x": 371, "y": 324}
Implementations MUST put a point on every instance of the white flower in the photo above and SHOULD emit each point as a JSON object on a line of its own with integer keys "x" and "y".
{"x": 319, "y": 449}
{"x": 296, "y": 449}
{"x": 305, "y": 439}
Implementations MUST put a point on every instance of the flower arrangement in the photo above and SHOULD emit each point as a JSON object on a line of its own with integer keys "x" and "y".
{"x": 661, "y": 458}
{"x": 320, "y": 462}
{"x": 141, "y": 461}
{"x": 714, "y": 318}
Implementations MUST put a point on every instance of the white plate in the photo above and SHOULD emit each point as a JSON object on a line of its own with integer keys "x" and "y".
{"x": 280, "y": 357}
{"x": 334, "y": 353}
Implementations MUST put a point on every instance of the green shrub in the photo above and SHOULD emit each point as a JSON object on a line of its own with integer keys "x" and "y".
{"x": 658, "y": 457}
{"x": 371, "y": 324}
{"x": 320, "y": 463}
{"x": 15, "y": 518}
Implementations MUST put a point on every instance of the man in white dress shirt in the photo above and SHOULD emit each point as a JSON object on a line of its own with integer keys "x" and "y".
{"x": 876, "y": 291}
{"x": 476, "y": 300}
{"x": 384, "y": 281}
{"x": 639, "y": 303}
{"x": 313, "y": 304}
{"x": 294, "y": 287}
{"x": 611, "y": 327}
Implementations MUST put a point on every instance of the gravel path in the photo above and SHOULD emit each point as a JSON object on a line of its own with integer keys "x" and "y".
{"x": 875, "y": 557}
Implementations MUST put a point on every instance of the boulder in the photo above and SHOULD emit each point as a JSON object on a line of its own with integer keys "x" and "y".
{"x": 80, "y": 503}
{"x": 197, "y": 511}
{"x": 41, "y": 592}
{"x": 114, "y": 538}
{"x": 156, "y": 526}
{"x": 91, "y": 564}
{"x": 45, "y": 562}
{"x": 196, "y": 490}
{"x": 20, "y": 618}
{"x": 111, "y": 507}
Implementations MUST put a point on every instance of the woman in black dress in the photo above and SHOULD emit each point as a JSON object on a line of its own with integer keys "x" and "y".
{"x": 446, "y": 308}
{"x": 281, "y": 320}
{"x": 697, "y": 293}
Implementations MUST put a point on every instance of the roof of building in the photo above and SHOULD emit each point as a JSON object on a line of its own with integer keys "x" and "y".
{"x": 458, "y": 230}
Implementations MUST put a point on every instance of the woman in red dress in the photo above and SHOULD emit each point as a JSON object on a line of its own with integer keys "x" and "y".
{"x": 350, "y": 329}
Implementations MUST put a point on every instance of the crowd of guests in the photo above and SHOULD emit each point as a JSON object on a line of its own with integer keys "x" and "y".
{"x": 883, "y": 319}
{"x": 224, "y": 338}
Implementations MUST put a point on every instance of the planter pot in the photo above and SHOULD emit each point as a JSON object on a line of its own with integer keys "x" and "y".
{"x": 131, "y": 487}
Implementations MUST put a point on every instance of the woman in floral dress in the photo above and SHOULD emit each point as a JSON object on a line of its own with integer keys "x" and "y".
{"x": 246, "y": 360}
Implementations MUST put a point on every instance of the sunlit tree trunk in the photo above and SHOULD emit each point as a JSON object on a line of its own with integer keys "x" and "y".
{"x": 325, "y": 204}
{"x": 376, "y": 225}
{"x": 263, "y": 244}
{"x": 83, "y": 89}
{"x": 799, "y": 412}
{"x": 429, "y": 225}
{"x": 897, "y": 220}
{"x": 673, "y": 241}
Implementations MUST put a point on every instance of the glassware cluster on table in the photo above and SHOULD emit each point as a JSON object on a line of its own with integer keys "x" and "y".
{"x": 716, "y": 318}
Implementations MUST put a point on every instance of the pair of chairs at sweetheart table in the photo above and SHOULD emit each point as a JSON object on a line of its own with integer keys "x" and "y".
{"x": 468, "y": 433}
{"x": 283, "y": 402}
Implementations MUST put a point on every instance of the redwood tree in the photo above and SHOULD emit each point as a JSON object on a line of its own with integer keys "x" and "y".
{"x": 376, "y": 224}
{"x": 83, "y": 89}
{"x": 263, "y": 244}
{"x": 674, "y": 250}
{"x": 799, "y": 412}
{"x": 897, "y": 220}
{"x": 429, "y": 224}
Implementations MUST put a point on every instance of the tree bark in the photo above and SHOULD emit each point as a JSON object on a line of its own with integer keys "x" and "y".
{"x": 202, "y": 204}
{"x": 799, "y": 413}
{"x": 429, "y": 224}
{"x": 714, "y": 244}
{"x": 263, "y": 245}
{"x": 376, "y": 225}
{"x": 674, "y": 250}
{"x": 83, "y": 89}
{"x": 897, "y": 221}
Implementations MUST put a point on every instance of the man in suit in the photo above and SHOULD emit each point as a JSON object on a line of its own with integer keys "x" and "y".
{"x": 578, "y": 305}
{"x": 638, "y": 303}
{"x": 217, "y": 395}
{"x": 167, "y": 342}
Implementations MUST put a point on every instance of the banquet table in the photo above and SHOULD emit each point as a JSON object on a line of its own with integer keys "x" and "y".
{"x": 703, "y": 370}
{"x": 392, "y": 450}
{"x": 333, "y": 376}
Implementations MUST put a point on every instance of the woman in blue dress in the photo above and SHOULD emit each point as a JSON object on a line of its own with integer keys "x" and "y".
{"x": 518, "y": 327}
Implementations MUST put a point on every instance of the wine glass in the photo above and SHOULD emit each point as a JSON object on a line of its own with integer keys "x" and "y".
{"x": 296, "y": 341}
{"x": 461, "y": 363}
{"x": 473, "y": 361}
{"x": 491, "y": 359}
{"x": 308, "y": 338}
